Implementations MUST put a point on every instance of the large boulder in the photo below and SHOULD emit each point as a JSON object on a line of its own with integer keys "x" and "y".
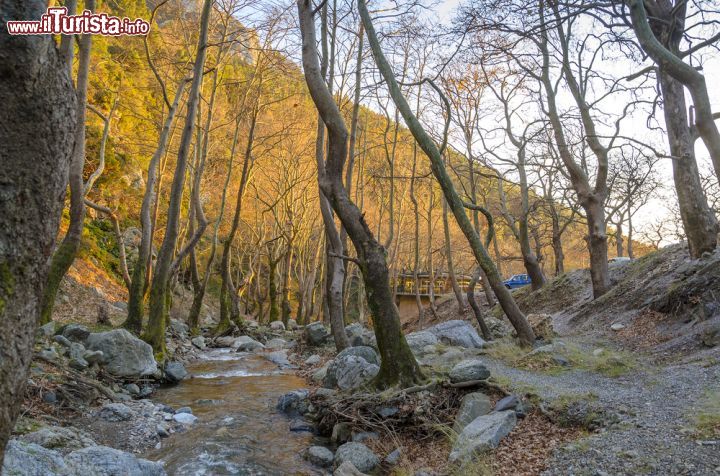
{"x": 349, "y": 372}
{"x": 362, "y": 351}
{"x": 456, "y": 332}
{"x": 358, "y": 454}
{"x": 316, "y": 333}
{"x": 124, "y": 355}
{"x": 482, "y": 434}
{"x": 224, "y": 341}
{"x": 472, "y": 406}
{"x": 104, "y": 461}
{"x": 33, "y": 460}
{"x": 63, "y": 439}
{"x": 469, "y": 370}
{"x": 418, "y": 341}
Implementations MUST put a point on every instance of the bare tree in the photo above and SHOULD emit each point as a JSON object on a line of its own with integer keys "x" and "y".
{"x": 398, "y": 365}
{"x": 159, "y": 296}
{"x": 508, "y": 304}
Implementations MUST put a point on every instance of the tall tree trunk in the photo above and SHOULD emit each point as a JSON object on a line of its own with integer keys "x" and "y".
{"x": 137, "y": 287}
{"x": 155, "y": 332}
{"x": 557, "y": 244}
{"x": 477, "y": 312}
{"x": 448, "y": 255}
{"x": 618, "y": 239}
{"x": 39, "y": 109}
{"x": 67, "y": 250}
{"x": 512, "y": 311}
{"x": 398, "y": 365}
{"x": 227, "y": 288}
{"x": 698, "y": 219}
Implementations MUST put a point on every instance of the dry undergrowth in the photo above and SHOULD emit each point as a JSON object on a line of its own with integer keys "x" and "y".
{"x": 525, "y": 451}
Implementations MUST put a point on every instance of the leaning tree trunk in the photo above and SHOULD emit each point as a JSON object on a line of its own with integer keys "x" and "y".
{"x": 65, "y": 254}
{"x": 155, "y": 332}
{"x": 698, "y": 219}
{"x": 398, "y": 365}
{"x": 39, "y": 108}
{"x": 512, "y": 311}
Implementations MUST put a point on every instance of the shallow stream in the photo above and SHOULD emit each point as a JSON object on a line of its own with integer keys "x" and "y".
{"x": 239, "y": 431}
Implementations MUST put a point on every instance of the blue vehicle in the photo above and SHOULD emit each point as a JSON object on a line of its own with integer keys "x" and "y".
{"x": 517, "y": 281}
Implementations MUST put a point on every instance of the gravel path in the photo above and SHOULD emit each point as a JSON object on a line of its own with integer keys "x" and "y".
{"x": 654, "y": 408}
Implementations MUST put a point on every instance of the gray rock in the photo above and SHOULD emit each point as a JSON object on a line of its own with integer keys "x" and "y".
{"x": 116, "y": 412}
{"x": 179, "y": 328}
{"x": 617, "y": 326}
{"x": 185, "y": 418}
{"x": 508, "y": 403}
{"x": 124, "y": 354}
{"x": 133, "y": 389}
{"x": 358, "y": 454}
{"x": 163, "y": 431}
{"x": 93, "y": 356}
{"x": 294, "y": 403}
{"x": 325, "y": 392}
{"x": 364, "y": 436}
{"x": 388, "y": 411}
{"x": 48, "y": 355}
{"x": 418, "y": 341}
{"x": 456, "y": 332}
{"x": 279, "y": 358}
{"x": 247, "y": 344}
{"x": 62, "y": 340}
{"x": 292, "y": 324}
{"x": 276, "y": 344}
{"x": 320, "y": 374}
{"x": 76, "y": 333}
{"x": 78, "y": 364}
{"x": 467, "y": 370}
{"x": 184, "y": 410}
{"x": 63, "y": 439}
{"x": 347, "y": 469}
{"x": 299, "y": 425}
{"x": 316, "y": 333}
{"x": 224, "y": 341}
{"x": 319, "y": 456}
{"x": 472, "y": 406}
{"x": 47, "y": 330}
{"x": 198, "y": 342}
{"x": 394, "y": 457}
{"x": 312, "y": 360}
{"x": 482, "y": 434}
{"x": 49, "y": 397}
{"x": 355, "y": 331}
{"x": 76, "y": 351}
{"x": 104, "y": 461}
{"x": 32, "y": 460}
{"x": 175, "y": 372}
{"x": 349, "y": 372}
{"x": 364, "y": 352}
{"x": 277, "y": 326}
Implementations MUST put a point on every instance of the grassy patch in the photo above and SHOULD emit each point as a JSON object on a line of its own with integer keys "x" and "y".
{"x": 609, "y": 362}
{"x": 707, "y": 418}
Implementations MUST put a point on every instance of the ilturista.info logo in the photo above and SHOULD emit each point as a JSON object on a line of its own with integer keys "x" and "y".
{"x": 57, "y": 22}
